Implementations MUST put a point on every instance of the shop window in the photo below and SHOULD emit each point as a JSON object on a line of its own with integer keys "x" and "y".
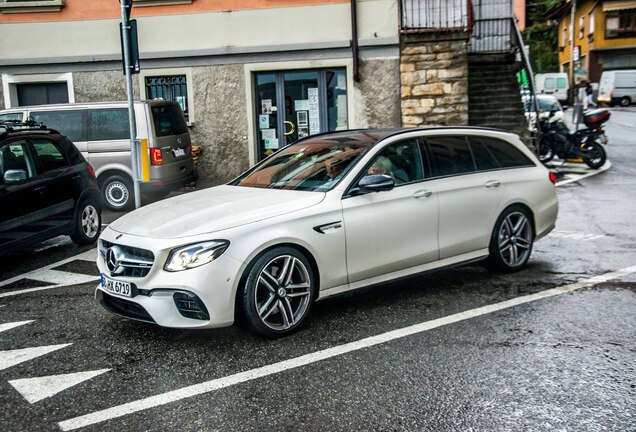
{"x": 30, "y": 6}
{"x": 173, "y": 87}
{"x": 620, "y": 25}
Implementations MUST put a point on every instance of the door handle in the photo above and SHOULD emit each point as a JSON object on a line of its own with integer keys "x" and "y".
{"x": 492, "y": 183}
{"x": 422, "y": 194}
{"x": 40, "y": 189}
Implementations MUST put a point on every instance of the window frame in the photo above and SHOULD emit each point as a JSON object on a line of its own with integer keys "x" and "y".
{"x": 172, "y": 72}
{"x": 25, "y": 6}
{"x": 36, "y": 156}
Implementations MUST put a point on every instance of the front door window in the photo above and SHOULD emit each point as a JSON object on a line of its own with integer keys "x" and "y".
{"x": 295, "y": 104}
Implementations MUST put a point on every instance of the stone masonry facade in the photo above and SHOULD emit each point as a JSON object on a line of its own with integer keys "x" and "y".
{"x": 434, "y": 81}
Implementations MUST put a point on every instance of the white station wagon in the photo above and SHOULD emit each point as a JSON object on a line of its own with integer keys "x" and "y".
{"x": 328, "y": 214}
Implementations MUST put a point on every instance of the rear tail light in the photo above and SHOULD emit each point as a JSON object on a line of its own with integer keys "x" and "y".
{"x": 91, "y": 169}
{"x": 552, "y": 178}
{"x": 156, "y": 157}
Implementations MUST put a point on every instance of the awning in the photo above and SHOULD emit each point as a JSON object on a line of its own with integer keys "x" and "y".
{"x": 614, "y": 5}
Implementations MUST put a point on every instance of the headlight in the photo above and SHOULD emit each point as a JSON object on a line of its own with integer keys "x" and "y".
{"x": 195, "y": 255}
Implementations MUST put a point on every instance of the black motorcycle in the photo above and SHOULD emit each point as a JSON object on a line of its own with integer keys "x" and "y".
{"x": 587, "y": 143}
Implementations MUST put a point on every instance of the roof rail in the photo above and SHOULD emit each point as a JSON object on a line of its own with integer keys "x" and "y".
{"x": 23, "y": 126}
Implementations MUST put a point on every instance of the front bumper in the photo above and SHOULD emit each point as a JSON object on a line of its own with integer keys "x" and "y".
{"x": 201, "y": 297}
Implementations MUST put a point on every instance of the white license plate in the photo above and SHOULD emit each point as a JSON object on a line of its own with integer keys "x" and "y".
{"x": 178, "y": 152}
{"x": 116, "y": 287}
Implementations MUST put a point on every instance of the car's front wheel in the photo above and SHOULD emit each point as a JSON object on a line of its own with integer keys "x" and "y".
{"x": 278, "y": 292}
{"x": 512, "y": 240}
{"x": 88, "y": 222}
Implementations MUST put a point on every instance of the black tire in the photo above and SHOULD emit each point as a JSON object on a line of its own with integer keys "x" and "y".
{"x": 594, "y": 155}
{"x": 546, "y": 154}
{"x": 511, "y": 241}
{"x": 278, "y": 292}
{"x": 87, "y": 222}
{"x": 625, "y": 101}
{"x": 117, "y": 193}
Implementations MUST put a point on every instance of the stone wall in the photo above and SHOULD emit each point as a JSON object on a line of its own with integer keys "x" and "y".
{"x": 377, "y": 95}
{"x": 434, "y": 81}
{"x": 109, "y": 86}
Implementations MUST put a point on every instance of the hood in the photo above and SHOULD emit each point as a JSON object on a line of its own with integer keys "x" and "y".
{"x": 211, "y": 210}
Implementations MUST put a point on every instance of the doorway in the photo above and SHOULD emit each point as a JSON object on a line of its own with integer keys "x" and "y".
{"x": 291, "y": 105}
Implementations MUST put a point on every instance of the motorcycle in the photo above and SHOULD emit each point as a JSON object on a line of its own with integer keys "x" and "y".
{"x": 586, "y": 144}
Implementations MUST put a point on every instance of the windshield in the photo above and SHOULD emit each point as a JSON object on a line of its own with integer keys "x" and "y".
{"x": 310, "y": 165}
{"x": 545, "y": 104}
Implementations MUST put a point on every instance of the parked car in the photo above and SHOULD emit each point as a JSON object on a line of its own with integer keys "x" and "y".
{"x": 617, "y": 87}
{"x": 101, "y": 132}
{"x": 328, "y": 214}
{"x": 555, "y": 84}
{"x": 46, "y": 188}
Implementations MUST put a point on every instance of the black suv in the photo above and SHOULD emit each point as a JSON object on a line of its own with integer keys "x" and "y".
{"x": 46, "y": 187}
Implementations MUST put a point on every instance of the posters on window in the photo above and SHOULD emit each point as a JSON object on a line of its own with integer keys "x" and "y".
{"x": 314, "y": 111}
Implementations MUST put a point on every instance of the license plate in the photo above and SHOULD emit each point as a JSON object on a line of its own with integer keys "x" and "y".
{"x": 116, "y": 287}
{"x": 178, "y": 152}
{"x": 604, "y": 139}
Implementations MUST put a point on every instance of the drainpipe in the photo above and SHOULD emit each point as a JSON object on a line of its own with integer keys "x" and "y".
{"x": 354, "y": 41}
{"x": 571, "y": 74}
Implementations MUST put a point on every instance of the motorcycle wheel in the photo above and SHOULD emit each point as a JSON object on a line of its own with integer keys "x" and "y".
{"x": 546, "y": 155}
{"x": 594, "y": 155}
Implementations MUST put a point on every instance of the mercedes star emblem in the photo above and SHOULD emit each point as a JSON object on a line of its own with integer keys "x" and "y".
{"x": 114, "y": 257}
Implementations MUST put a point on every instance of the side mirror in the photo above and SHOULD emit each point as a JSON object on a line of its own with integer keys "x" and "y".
{"x": 15, "y": 176}
{"x": 376, "y": 183}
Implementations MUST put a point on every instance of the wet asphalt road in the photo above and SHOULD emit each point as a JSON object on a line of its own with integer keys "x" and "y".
{"x": 566, "y": 362}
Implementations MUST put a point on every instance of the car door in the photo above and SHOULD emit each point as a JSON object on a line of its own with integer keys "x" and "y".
{"x": 19, "y": 218}
{"x": 468, "y": 198}
{"x": 60, "y": 182}
{"x": 392, "y": 230}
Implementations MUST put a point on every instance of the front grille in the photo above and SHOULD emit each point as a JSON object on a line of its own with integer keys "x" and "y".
{"x": 136, "y": 262}
{"x": 190, "y": 306}
{"x": 125, "y": 308}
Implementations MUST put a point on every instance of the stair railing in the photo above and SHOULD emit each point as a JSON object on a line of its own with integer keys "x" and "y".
{"x": 525, "y": 78}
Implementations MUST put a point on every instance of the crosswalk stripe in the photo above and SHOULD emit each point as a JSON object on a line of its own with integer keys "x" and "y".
{"x": 36, "y": 389}
{"x": 62, "y": 277}
{"x": 17, "y": 356}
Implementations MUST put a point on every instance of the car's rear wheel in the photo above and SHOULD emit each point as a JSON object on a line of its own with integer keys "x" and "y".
{"x": 88, "y": 222}
{"x": 512, "y": 240}
{"x": 117, "y": 193}
{"x": 278, "y": 292}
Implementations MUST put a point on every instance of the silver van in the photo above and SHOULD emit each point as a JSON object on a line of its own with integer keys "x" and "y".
{"x": 100, "y": 131}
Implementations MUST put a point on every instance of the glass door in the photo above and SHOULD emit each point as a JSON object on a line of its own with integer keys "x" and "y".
{"x": 292, "y": 105}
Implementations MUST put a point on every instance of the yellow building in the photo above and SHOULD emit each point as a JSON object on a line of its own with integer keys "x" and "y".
{"x": 603, "y": 36}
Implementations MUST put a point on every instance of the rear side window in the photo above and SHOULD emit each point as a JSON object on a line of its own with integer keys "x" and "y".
{"x": 506, "y": 154}
{"x": 561, "y": 83}
{"x": 168, "y": 120}
{"x": 71, "y": 123}
{"x": 108, "y": 124}
{"x": 449, "y": 155}
{"x": 49, "y": 154}
{"x": 11, "y": 116}
{"x": 484, "y": 159}
{"x": 73, "y": 154}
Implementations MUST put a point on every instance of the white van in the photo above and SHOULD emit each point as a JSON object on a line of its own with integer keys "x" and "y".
{"x": 100, "y": 130}
{"x": 555, "y": 84}
{"x": 617, "y": 87}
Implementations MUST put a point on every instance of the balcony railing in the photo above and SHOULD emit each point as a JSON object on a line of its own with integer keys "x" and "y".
{"x": 425, "y": 16}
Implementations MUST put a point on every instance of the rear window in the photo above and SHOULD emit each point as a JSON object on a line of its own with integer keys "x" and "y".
{"x": 450, "y": 155}
{"x": 71, "y": 123}
{"x": 168, "y": 120}
{"x": 108, "y": 124}
{"x": 505, "y": 153}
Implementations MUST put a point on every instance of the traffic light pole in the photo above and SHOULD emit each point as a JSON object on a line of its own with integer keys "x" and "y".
{"x": 126, "y": 5}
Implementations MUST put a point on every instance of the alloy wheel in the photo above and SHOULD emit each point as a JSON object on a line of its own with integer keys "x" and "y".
{"x": 90, "y": 221}
{"x": 515, "y": 239}
{"x": 282, "y": 295}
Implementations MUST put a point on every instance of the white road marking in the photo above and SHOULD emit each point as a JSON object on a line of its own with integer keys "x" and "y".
{"x": 9, "y": 326}
{"x": 15, "y": 357}
{"x": 28, "y": 290}
{"x": 90, "y": 255}
{"x": 216, "y": 384}
{"x": 607, "y": 165}
{"x": 58, "y": 277}
{"x": 36, "y": 389}
{"x": 573, "y": 235}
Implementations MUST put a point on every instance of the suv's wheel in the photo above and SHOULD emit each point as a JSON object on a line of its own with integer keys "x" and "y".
{"x": 278, "y": 292}
{"x": 88, "y": 222}
{"x": 117, "y": 193}
{"x": 511, "y": 241}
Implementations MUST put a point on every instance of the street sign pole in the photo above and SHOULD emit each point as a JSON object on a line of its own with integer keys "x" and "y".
{"x": 126, "y": 6}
